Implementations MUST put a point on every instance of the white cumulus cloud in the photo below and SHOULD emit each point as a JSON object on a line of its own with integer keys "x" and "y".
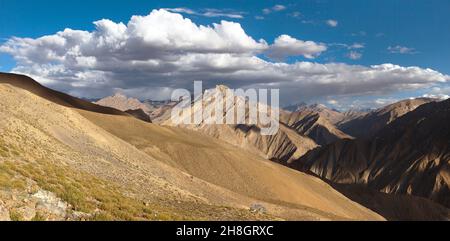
{"x": 286, "y": 45}
{"x": 442, "y": 92}
{"x": 332, "y": 23}
{"x": 164, "y": 51}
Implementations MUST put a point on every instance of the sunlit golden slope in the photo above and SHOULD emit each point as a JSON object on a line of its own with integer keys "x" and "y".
{"x": 223, "y": 165}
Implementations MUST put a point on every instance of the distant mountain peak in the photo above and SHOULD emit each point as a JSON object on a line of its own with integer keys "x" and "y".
{"x": 317, "y": 105}
{"x": 120, "y": 95}
{"x": 295, "y": 107}
{"x": 370, "y": 123}
{"x": 121, "y": 102}
{"x": 222, "y": 87}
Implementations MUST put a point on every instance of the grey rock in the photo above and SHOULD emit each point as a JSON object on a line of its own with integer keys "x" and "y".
{"x": 49, "y": 202}
{"x": 258, "y": 208}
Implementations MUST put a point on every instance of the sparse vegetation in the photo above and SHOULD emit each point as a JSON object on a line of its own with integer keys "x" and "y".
{"x": 8, "y": 180}
{"x": 38, "y": 217}
{"x": 83, "y": 192}
{"x": 15, "y": 215}
{"x": 4, "y": 151}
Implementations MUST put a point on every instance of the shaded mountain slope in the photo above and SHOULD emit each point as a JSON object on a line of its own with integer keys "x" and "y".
{"x": 395, "y": 207}
{"x": 140, "y": 114}
{"x": 311, "y": 123}
{"x": 367, "y": 125}
{"x": 409, "y": 156}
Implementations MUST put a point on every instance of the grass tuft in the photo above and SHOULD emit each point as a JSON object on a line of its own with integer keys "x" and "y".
{"x": 14, "y": 215}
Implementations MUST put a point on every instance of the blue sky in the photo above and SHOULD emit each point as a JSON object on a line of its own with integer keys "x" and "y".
{"x": 401, "y": 32}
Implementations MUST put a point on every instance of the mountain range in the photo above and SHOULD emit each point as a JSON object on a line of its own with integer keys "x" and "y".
{"x": 409, "y": 155}
{"x": 64, "y": 158}
{"x": 370, "y": 123}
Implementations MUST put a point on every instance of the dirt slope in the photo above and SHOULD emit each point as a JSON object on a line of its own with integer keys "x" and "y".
{"x": 221, "y": 164}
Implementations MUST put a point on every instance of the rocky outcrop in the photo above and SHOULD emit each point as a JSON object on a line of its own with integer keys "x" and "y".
{"x": 42, "y": 205}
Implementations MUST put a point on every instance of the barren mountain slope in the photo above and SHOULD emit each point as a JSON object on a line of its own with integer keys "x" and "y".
{"x": 47, "y": 147}
{"x": 350, "y": 115}
{"x": 121, "y": 102}
{"x": 157, "y": 111}
{"x": 26, "y": 83}
{"x": 395, "y": 207}
{"x": 140, "y": 114}
{"x": 332, "y": 116}
{"x": 367, "y": 125}
{"x": 109, "y": 157}
{"x": 284, "y": 146}
{"x": 315, "y": 125}
{"x": 409, "y": 156}
{"x": 160, "y": 110}
{"x": 221, "y": 164}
